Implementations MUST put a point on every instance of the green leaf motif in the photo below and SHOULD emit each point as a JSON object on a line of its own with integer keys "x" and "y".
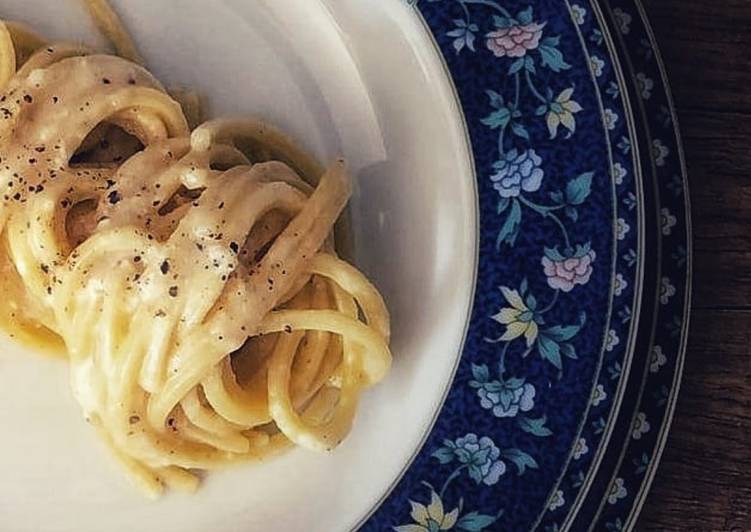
{"x": 560, "y": 333}
{"x": 519, "y": 130}
{"x": 523, "y": 287}
{"x": 520, "y": 459}
{"x": 480, "y": 372}
{"x": 503, "y": 204}
{"x": 515, "y": 382}
{"x": 549, "y": 350}
{"x": 529, "y": 64}
{"x": 531, "y": 302}
{"x": 496, "y": 100}
{"x": 579, "y": 188}
{"x": 569, "y": 351}
{"x": 516, "y": 66}
{"x": 510, "y": 228}
{"x": 525, "y": 17}
{"x": 496, "y": 119}
{"x": 535, "y": 426}
{"x": 444, "y": 455}
{"x": 502, "y": 22}
{"x": 552, "y": 57}
{"x": 475, "y": 522}
{"x": 553, "y": 254}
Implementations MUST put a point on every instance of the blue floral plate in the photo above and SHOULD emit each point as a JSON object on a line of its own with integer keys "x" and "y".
{"x": 562, "y": 399}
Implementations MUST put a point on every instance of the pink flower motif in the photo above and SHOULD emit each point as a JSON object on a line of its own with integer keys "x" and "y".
{"x": 515, "y": 41}
{"x": 566, "y": 273}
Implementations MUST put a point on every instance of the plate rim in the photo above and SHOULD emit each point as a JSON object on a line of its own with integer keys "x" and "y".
{"x": 635, "y": 507}
{"x": 636, "y": 297}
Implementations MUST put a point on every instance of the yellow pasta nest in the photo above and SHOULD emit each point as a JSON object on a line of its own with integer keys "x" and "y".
{"x": 188, "y": 276}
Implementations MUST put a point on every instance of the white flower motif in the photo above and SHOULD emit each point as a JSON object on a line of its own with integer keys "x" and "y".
{"x": 599, "y": 395}
{"x": 611, "y": 119}
{"x": 657, "y": 359}
{"x": 596, "y": 65}
{"x": 620, "y": 284}
{"x": 578, "y": 13}
{"x": 623, "y": 20}
{"x": 659, "y": 152}
{"x": 617, "y": 491}
{"x": 556, "y": 501}
{"x": 619, "y": 172}
{"x": 667, "y": 221}
{"x": 580, "y": 449}
{"x": 645, "y": 85}
{"x": 641, "y": 426}
{"x": 667, "y": 290}
{"x": 621, "y": 228}
{"x": 611, "y": 340}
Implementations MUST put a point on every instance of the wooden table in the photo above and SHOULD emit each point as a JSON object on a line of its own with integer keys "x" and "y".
{"x": 704, "y": 480}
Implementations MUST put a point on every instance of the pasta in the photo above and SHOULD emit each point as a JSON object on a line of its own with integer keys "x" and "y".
{"x": 189, "y": 276}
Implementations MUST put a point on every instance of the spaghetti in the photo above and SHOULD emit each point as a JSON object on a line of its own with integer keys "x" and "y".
{"x": 189, "y": 276}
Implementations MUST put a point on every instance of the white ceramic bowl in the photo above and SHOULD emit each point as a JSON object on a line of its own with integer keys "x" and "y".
{"x": 359, "y": 78}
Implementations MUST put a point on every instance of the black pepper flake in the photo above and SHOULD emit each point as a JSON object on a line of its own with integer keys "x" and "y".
{"x": 106, "y": 81}
{"x": 27, "y": 98}
{"x": 17, "y": 196}
{"x": 137, "y": 258}
{"x": 39, "y": 188}
{"x": 173, "y": 291}
{"x": 131, "y": 81}
{"x": 113, "y": 197}
{"x": 55, "y": 99}
{"x": 133, "y": 420}
{"x": 39, "y": 149}
{"x": 32, "y": 160}
{"x": 110, "y": 183}
{"x": 45, "y": 268}
{"x": 164, "y": 267}
{"x": 234, "y": 247}
{"x": 199, "y": 246}
{"x": 221, "y": 205}
{"x": 160, "y": 314}
{"x": 288, "y": 329}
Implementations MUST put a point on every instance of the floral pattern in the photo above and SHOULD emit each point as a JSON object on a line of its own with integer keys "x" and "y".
{"x": 537, "y": 316}
{"x": 627, "y": 475}
{"x": 513, "y": 39}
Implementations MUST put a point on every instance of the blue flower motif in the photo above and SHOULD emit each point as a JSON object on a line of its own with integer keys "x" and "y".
{"x": 505, "y": 398}
{"x": 515, "y": 396}
{"x": 481, "y": 456}
{"x": 516, "y": 172}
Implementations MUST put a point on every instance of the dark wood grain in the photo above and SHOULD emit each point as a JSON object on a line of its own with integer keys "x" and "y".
{"x": 704, "y": 480}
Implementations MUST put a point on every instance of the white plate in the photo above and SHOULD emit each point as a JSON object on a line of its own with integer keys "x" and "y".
{"x": 349, "y": 77}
